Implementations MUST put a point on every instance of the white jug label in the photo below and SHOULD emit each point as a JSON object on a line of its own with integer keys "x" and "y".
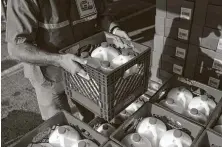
{"x": 183, "y": 34}
{"x": 177, "y": 69}
{"x": 185, "y": 13}
{"x": 213, "y": 82}
{"x": 219, "y": 46}
{"x": 181, "y": 53}
{"x": 217, "y": 64}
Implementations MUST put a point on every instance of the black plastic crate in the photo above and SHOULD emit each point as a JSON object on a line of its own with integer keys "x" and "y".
{"x": 192, "y": 85}
{"x": 97, "y": 121}
{"x": 209, "y": 139}
{"x": 111, "y": 144}
{"x": 106, "y": 94}
{"x": 171, "y": 120}
{"x": 42, "y": 132}
{"x": 214, "y": 120}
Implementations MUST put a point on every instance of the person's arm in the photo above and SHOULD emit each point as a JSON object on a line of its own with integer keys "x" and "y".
{"x": 22, "y": 26}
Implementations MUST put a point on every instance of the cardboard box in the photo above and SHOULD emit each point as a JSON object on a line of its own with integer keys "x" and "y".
{"x": 206, "y": 37}
{"x": 180, "y": 9}
{"x": 209, "y": 139}
{"x": 170, "y": 47}
{"x": 178, "y": 29}
{"x": 209, "y": 59}
{"x": 200, "y": 12}
{"x": 191, "y": 61}
{"x": 161, "y": 8}
{"x": 214, "y": 17}
{"x": 172, "y": 65}
{"x": 209, "y": 77}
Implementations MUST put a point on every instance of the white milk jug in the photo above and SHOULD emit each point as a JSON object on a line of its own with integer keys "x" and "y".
{"x": 105, "y": 52}
{"x": 136, "y": 140}
{"x": 175, "y": 138}
{"x": 203, "y": 104}
{"x": 106, "y": 129}
{"x": 180, "y": 95}
{"x": 122, "y": 59}
{"x": 152, "y": 128}
{"x": 85, "y": 143}
{"x": 132, "y": 108}
{"x": 218, "y": 128}
{"x": 105, "y": 66}
{"x": 171, "y": 104}
{"x": 64, "y": 136}
{"x": 196, "y": 115}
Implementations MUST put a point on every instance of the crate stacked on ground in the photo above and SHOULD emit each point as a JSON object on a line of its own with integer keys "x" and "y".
{"x": 107, "y": 94}
{"x": 204, "y": 61}
{"x": 210, "y": 136}
{"x": 41, "y": 133}
{"x": 196, "y": 88}
{"x": 171, "y": 120}
{"x": 172, "y": 24}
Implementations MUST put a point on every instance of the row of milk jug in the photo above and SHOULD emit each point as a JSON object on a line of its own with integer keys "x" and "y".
{"x": 152, "y": 132}
{"x": 182, "y": 101}
{"x": 108, "y": 58}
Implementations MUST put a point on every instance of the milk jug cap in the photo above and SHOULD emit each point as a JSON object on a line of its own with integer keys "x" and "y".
{"x": 177, "y": 133}
{"x": 84, "y": 54}
{"x": 170, "y": 101}
{"x": 136, "y": 137}
{"x": 62, "y": 130}
{"x": 125, "y": 52}
{"x": 82, "y": 144}
{"x": 105, "y": 64}
{"x": 152, "y": 121}
{"x": 194, "y": 111}
{"x": 204, "y": 98}
{"x": 104, "y": 44}
{"x": 105, "y": 127}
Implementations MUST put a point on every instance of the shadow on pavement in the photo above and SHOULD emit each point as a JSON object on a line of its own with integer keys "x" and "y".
{"x": 17, "y": 124}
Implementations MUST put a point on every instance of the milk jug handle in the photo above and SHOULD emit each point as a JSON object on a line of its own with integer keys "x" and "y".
{"x": 84, "y": 76}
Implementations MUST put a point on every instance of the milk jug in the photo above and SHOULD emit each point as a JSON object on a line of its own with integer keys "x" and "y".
{"x": 64, "y": 136}
{"x": 40, "y": 145}
{"x": 106, "y": 129}
{"x": 218, "y": 128}
{"x": 170, "y": 103}
{"x": 105, "y": 66}
{"x": 85, "y": 143}
{"x": 136, "y": 140}
{"x": 196, "y": 115}
{"x": 203, "y": 104}
{"x": 175, "y": 138}
{"x": 105, "y": 52}
{"x": 122, "y": 59}
{"x": 180, "y": 95}
{"x": 152, "y": 129}
{"x": 132, "y": 108}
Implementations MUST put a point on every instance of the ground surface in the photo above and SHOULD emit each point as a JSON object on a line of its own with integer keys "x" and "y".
{"x": 20, "y": 112}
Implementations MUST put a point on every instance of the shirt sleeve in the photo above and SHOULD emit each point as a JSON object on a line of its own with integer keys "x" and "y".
{"x": 22, "y": 21}
{"x": 106, "y": 19}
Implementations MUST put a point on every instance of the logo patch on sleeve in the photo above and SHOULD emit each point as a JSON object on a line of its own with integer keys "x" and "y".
{"x": 86, "y": 8}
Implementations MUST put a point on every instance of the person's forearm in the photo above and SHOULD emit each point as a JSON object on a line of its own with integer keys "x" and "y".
{"x": 31, "y": 54}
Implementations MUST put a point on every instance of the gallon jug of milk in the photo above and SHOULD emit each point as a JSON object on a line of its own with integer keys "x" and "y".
{"x": 175, "y": 138}
{"x": 218, "y": 128}
{"x": 152, "y": 128}
{"x": 64, "y": 136}
{"x": 203, "y": 104}
{"x": 105, "y": 52}
{"x": 85, "y": 143}
{"x": 171, "y": 104}
{"x": 136, "y": 140}
{"x": 180, "y": 95}
{"x": 196, "y": 115}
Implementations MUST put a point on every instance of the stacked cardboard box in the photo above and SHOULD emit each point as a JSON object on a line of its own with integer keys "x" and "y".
{"x": 173, "y": 26}
{"x": 204, "y": 61}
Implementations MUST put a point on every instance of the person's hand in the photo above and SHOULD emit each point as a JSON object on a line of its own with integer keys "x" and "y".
{"x": 119, "y": 42}
{"x": 71, "y": 63}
